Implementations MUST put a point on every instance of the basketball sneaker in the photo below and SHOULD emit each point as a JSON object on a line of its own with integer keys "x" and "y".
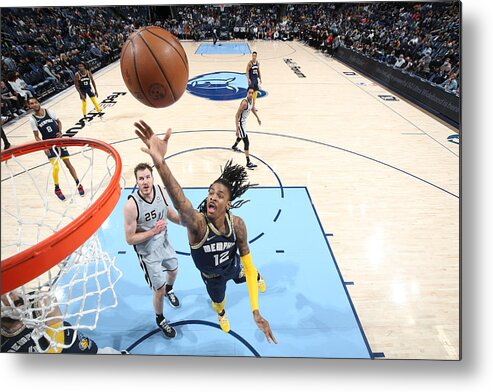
{"x": 223, "y": 322}
{"x": 82, "y": 193}
{"x": 251, "y": 165}
{"x": 59, "y": 194}
{"x": 167, "y": 329}
{"x": 173, "y": 299}
{"x": 235, "y": 149}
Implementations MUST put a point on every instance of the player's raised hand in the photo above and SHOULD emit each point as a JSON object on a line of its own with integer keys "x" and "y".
{"x": 155, "y": 146}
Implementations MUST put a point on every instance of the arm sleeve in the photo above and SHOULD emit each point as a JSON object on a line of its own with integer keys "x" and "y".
{"x": 251, "y": 279}
{"x": 33, "y": 124}
{"x": 52, "y": 114}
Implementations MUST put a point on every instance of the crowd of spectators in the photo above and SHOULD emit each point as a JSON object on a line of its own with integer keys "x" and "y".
{"x": 254, "y": 21}
{"x": 418, "y": 38}
{"x": 41, "y": 47}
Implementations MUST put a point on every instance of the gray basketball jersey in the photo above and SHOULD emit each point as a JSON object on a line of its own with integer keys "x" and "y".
{"x": 246, "y": 112}
{"x": 148, "y": 213}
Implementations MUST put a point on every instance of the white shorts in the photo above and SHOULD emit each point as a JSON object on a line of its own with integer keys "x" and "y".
{"x": 156, "y": 263}
{"x": 243, "y": 130}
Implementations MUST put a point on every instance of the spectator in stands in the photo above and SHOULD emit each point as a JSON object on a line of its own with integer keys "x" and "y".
{"x": 11, "y": 102}
{"x": 9, "y": 62}
{"x": 451, "y": 83}
{"x": 401, "y": 62}
{"x": 446, "y": 67}
{"x": 52, "y": 76}
{"x": 20, "y": 86}
{"x": 409, "y": 65}
{"x": 391, "y": 58}
{"x": 424, "y": 65}
{"x": 95, "y": 51}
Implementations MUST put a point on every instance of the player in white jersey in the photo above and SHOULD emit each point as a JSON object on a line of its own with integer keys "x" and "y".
{"x": 246, "y": 106}
{"x": 145, "y": 215}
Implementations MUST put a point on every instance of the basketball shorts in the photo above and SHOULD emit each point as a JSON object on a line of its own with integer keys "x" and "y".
{"x": 243, "y": 131}
{"x": 254, "y": 85}
{"x": 55, "y": 152}
{"x": 216, "y": 284}
{"x": 85, "y": 92}
{"x": 156, "y": 263}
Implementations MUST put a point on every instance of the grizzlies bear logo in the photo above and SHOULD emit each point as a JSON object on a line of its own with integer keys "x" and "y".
{"x": 221, "y": 86}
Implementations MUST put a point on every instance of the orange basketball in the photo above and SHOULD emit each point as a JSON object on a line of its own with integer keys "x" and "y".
{"x": 154, "y": 66}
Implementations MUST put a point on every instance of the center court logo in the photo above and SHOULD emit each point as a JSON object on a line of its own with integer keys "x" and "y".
{"x": 221, "y": 86}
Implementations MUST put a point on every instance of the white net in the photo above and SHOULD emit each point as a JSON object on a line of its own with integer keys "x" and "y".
{"x": 73, "y": 293}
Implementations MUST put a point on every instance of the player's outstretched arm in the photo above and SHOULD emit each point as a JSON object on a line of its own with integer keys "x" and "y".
{"x": 157, "y": 148}
{"x": 251, "y": 277}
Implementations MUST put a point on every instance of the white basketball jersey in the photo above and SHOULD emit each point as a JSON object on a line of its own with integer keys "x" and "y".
{"x": 246, "y": 112}
{"x": 148, "y": 213}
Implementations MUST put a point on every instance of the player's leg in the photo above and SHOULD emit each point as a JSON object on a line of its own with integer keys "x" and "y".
{"x": 84, "y": 102}
{"x": 6, "y": 143}
{"x": 71, "y": 169}
{"x": 216, "y": 288}
{"x": 94, "y": 102}
{"x": 56, "y": 170}
{"x": 235, "y": 146}
{"x": 246, "y": 143}
{"x": 255, "y": 93}
{"x": 171, "y": 267}
{"x": 151, "y": 264}
{"x": 241, "y": 134}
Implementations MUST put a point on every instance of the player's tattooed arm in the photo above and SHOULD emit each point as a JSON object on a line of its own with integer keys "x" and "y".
{"x": 156, "y": 148}
{"x": 241, "y": 236}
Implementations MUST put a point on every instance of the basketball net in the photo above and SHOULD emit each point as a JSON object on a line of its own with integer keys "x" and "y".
{"x": 73, "y": 292}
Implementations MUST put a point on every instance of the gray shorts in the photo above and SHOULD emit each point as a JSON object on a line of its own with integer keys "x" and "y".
{"x": 156, "y": 263}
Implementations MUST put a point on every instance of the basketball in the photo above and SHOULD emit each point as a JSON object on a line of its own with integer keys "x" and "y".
{"x": 154, "y": 66}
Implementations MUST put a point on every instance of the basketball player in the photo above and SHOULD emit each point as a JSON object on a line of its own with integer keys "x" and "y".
{"x": 246, "y": 106}
{"x": 253, "y": 75}
{"x": 214, "y": 36}
{"x": 46, "y": 122}
{"x": 82, "y": 80}
{"x": 214, "y": 234}
{"x": 17, "y": 336}
{"x": 145, "y": 223}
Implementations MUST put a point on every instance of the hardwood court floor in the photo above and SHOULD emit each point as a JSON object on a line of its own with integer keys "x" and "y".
{"x": 382, "y": 175}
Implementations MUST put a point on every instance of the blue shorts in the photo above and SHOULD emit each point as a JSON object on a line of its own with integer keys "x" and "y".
{"x": 87, "y": 92}
{"x": 216, "y": 284}
{"x": 254, "y": 85}
{"x": 55, "y": 152}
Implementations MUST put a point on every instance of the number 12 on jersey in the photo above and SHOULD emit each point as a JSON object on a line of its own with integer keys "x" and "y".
{"x": 221, "y": 258}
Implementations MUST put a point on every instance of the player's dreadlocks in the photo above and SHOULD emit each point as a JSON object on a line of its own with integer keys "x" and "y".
{"x": 233, "y": 177}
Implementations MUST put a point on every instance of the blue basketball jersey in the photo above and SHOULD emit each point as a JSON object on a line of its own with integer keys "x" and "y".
{"x": 84, "y": 81}
{"x": 216, "y": 253}
{"x": 253, "y": 72}
{"x": 46, "y": 125}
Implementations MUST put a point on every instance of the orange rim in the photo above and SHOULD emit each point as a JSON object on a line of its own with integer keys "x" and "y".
{"x": 31, "y": 263}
